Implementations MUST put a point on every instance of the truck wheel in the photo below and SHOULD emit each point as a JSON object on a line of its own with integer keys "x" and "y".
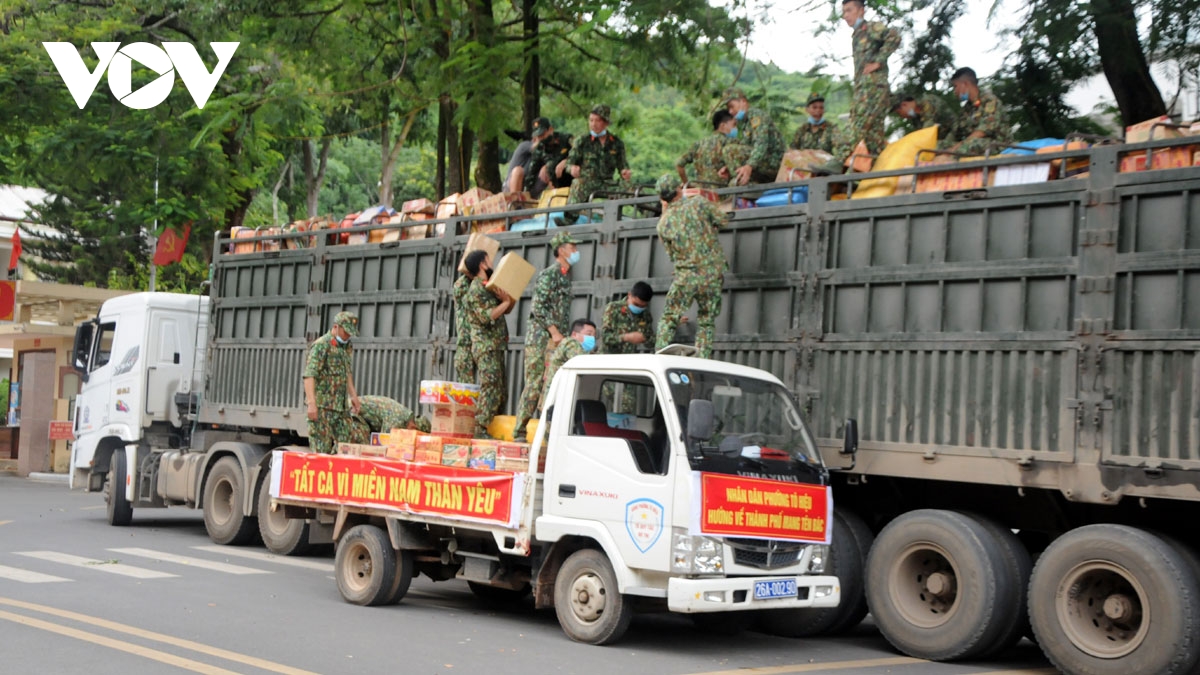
{"x": 589, "y": 607}
{"x": 935, "y": 587}
{"x": 729, "y": 624}
{"x": 846, "y": 562}
{"x": 1018, "y": 566}
{"x": 120, "y": 511}
{"x": 1111, "y": 600}
{"x": 280, "y": 534}
{"x": 405, "y": 566}
{"x": 223, "y": 498}
{"x": 366, "y": 567}
{"x": 498, "y": 595}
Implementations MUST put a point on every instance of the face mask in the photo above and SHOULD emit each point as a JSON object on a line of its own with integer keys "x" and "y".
{"x": 589, "y": 343}
{"x": 964, "y": 97}
{"x": 814, "y": 120}
{"x": 635, "y": 309}
{"x": 573, "y": 259}
{"x": 741, "y": 115}
{"x": 858, "y": 22}
{"x": 732, "y": 133}
{"x": 341, "y": 341}
{"x": 912, "y": 114}
{"x": 599, "y": 134}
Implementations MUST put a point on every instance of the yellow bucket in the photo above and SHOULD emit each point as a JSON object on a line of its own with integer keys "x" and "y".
{"x": 531, "y": 429}
{"x": 501, "y": 427}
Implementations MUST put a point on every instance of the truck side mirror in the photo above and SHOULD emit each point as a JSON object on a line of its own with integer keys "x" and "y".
{"x": 850, "y": 437}
{"x": 81, "y": 351}
{"x": 700, "y": 420}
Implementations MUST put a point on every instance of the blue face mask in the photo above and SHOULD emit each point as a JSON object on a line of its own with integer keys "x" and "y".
{"x": 573, "y": 259}
{"x": 732, "y": 133}
{"x": 741, "y": 115}
{"x": 341, "y": 340}
{"x": 814, "y": 120}
{"x": 588, "y": 342}
{"x": 599, "y": 134}
{"x": 635, "y": 309}
{"x": 964, "y": 97}
{"x": 858, "y": 22}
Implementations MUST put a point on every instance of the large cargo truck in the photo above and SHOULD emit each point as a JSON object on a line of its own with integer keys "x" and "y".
{"x": 1023, "y": 361}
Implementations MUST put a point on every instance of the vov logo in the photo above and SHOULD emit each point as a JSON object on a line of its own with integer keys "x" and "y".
{"x": 171, "y": 58}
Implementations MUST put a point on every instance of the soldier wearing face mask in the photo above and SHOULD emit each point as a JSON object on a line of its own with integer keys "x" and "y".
{"x": 922, "y": 112}
{"x": 817, "y": 132}
{"x": 581, "y": 341}
{"x": 627, "y": 327}
{"x": 329, "y": 390}
{"x": 595, "y": 157}
{"x": 980, "y": 124}
{"x": 707, "y": 155}
{"x": 484, "y": 310}
{"x": 757, "y": 156}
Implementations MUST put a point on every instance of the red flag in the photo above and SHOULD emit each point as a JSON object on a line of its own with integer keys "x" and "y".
{"x": 171, "y": 245}
{"x": 16, "y": 249}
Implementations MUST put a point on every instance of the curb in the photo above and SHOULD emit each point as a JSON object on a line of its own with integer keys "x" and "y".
{"x": 50, "y": 477}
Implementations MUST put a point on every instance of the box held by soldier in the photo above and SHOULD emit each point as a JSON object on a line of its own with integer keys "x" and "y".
{"x": 512, "y": 275}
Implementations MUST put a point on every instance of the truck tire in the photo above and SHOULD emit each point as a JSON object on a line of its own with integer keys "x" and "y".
{"x": 405, "y": 564}
{"x": 223, "y": 499}
{"x": 847, "y": 562}
{"x": 366, "y": 567}
{"x": 1112, "y": 600}
{"x": 497, "y": 595}
{"x": 1018, "y": 566}
{"x": 120, "y": 511}
{"x": 935, "y": 585}
{"x": 586, "y": 600}
{"x": 280, "y": 534}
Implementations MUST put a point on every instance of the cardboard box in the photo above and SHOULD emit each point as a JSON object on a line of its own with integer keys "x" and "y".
{"x": 512, "y": 275}
{"x": 428, "y": 450}
{"x": 361, "y": 450}
{"x": 796, "y": 163}
{"x": 444, "y": 391}
{"x": 961, "y": 179}
{"x": 1153, "y": 129}
{"x": 447, "y": 208}
{"x": 451, "y": 419}
{"x": 483, "y": 454}
{"x": 422, "y": 206}
{"x": 467, "y": 200}
{"x": 1161, "y": 158}
{"x": 414, "y": 232}
{"x": 478, "y": 242}
{"x": 552, "y": 197}
{"x": 456, "y": 454}
{"x": 512, "y": 465}
{"x": 401, "y": 444}
{"x": 513, "y": 450}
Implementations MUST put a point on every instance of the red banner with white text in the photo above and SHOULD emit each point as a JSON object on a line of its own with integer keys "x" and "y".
{"x": 739, "y": 506}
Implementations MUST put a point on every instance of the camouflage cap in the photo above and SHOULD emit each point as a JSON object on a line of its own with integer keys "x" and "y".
{"x": 732, "y": 94}
{"x": 602, "y": 111}
{"x": 815, "y": 98}
{"x": 899, "y": 98}
{"x": 348, "y": 321}
{"x": 562, "y": 239}
{"x": 540, "y": 126}
{"x": 668, "y": 182}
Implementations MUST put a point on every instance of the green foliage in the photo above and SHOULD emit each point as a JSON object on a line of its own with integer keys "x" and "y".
{"x": 186, "y": 277}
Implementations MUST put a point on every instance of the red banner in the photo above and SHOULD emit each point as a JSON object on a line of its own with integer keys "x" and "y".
{"x": 769, "y": 509}
{"x": 405, "y": 487}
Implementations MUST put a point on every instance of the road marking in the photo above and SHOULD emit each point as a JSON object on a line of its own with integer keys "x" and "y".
{"x": 821, "y": 667}
{"x": 112, "y": 567}
{"x": 192, "y": 562}
{"x": 128, "y": 647}
{"x": 5, "y": 522}
{"x": 267, "y": 557}
{"x": 93, "y": 508}
{"x": 26, "y": 576}
{"x": 252, "y": 661}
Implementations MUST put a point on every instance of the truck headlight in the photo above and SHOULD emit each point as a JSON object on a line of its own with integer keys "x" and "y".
{"x": 696, "y": 555}
{"x": 818, "y": 558}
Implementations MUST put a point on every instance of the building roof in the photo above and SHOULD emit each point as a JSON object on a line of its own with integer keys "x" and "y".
{"x": 16, "y": 203}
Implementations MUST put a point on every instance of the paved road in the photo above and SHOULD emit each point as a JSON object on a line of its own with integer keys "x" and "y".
{"x": 78, "y": 596}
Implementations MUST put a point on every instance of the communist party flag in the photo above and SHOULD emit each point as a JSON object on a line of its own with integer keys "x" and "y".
{"x": 171, "y": 245}
{"x": 16, "y": 249}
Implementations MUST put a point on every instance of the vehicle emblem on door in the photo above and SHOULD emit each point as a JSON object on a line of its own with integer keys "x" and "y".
{"x": 644, "y": 522}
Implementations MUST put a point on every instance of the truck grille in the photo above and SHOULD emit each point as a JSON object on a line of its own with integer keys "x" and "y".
{"x": 765, "y": 554}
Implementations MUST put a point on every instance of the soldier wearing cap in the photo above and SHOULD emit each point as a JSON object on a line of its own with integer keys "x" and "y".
{"x": 549, "y": 315}
{"x": 979, "y": 124}
{"x": 329, "y": 391}
{"x": 382, "y": 414}
{"x": 707, "y": 155}
{"x": 817, "y": 132}
{"x": 688, "y": 230}
{"x": 920, "y": 113}
{"x": 548, "y": 164}
{"x": 595, "y": 157}
{"x": 760, "y": 151}
{"x": 485, "y": 309}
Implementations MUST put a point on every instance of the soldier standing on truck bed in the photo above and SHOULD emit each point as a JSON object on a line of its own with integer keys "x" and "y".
{"x": 329, "y": 385}
{"x": 464, "y": 361}
{"x": 595, "y": 157}
{"x": 485, "y": 309}
{"x": 688, "y": 230}
{"x": 708, "y": 154}
{"x": 626, "y": 326}
{"x": 549, "y": 313}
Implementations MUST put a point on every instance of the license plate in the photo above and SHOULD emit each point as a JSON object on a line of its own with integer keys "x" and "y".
{"x": 780, "y": 588}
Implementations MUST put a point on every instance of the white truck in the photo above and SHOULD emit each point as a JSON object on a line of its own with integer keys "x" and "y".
{"x": 714, "y": 502}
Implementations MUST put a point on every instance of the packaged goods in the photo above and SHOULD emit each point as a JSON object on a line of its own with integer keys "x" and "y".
{"x": 899, "y": 155}
{"x": 402, "y": 444}
{"x": 428, "y": 450}
{"x": 361, "y": 449}
{"x": 466, "y": 201}
{"x": 447, "y": 208}
{"x": 456, "y": 454}
{"x": 478, "y": 242}
{"x": 796, "y": 163}
{"x": 421, "y": 206}
{"x": 552, "y": 197}
{"x": 1154, "y": 129}
{"x": 1160, "y": 158}
{"x": 513, "y": 465}
{"x": 483, "y": 454}
{"x": 512, "y": 275}
{"x": 444, "y": 391}
{"x": 451, "y": 419}
{"x": 380, "y": 438}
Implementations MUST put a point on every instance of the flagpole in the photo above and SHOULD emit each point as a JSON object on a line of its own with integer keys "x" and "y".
{"x": 153, "y": 267}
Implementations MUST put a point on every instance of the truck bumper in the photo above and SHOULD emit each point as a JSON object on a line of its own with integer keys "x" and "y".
{"x": 733, "y": 594}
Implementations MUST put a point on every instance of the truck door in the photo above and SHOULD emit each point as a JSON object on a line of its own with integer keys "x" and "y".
{"x": 168, "y": 362}
{"x": 615, "y": 471}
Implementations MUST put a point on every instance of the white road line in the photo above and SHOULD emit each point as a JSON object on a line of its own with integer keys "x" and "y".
{"x": 189, "y": 561}
{"x": 267, "y": 557}
{"x": 27, "y": 577}
{"x": 109, "y": 566}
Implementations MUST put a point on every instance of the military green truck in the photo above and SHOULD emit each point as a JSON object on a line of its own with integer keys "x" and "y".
{"x": 1022, "y": 362}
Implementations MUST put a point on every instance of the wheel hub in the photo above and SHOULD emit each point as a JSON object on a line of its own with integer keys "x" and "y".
{"x": 360, "y": 568}
{"x": 940, "y": 584}
{"x": 587, "y": 597}
{"x": 924, "y": 585}
{"x": 1102, "y": 608}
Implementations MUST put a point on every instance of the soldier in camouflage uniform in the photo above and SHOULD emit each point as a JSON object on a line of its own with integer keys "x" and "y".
{"x": 549, "y": 159}
{"x": 817, "y": 133}
{"x": 873, "y": 43}
{"x": 626, "y": 326}
{"x": 688, "y": 230}
{"x": 979, "y": 125}
{"x": 382, "y": 414}
{"x": 464, "y": 361}
{"x": 922, "y": 113}
{"x": 707, "y": 154}
{"x": 329, "y": 386}
{"x": 581, "y": 341}
{"x": 549, "y": 312}
{"x": 759, "y": 152}
{"x": 595, "y": 157}
{"x": 485, "y": 310}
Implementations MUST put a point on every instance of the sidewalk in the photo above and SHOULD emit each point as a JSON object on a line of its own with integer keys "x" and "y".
{"x": 50, "y": 477}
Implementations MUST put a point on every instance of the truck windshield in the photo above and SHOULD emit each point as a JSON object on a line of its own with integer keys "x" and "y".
{"x": 757, "y": 427}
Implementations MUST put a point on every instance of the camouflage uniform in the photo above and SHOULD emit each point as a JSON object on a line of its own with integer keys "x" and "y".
{"x": 873, "y": 42}
{"x": 329, "y": 364}
{"x": 489, "y": 342}
{"x": 986, "y": 114}
{"x": 761, "y": 146}
{"x": 565, "y": 351}
{"x": 617, "y": 321}
{"x": 818, "y": 137}
{"x": 548, "y": 153}
{"x": 551, "y": 306}
{"x": 930, "y": 111}
{"x": 382, "y": 414}
{"x": 708, "y": 156}
{"x": 688, "y": 231}
{"x": 464, "y": 362}
{"x": 597, "y": 163}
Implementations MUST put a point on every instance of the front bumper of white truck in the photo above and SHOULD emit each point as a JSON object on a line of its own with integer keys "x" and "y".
{"x": 732, "y": 594}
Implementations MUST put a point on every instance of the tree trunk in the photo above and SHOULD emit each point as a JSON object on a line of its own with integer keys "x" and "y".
{"x": 314, "y": 177}
{"x": 390, "y": 154}
{"x": 531, "y": 84}
{"x": 466, "y": 148}
{"x": 385, "y": 175}
{"x": 487, "y": 172}
{"x": 454, "y": 163}
{"x": 1124, "y": 61}
{"x": 439, "y": 180}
